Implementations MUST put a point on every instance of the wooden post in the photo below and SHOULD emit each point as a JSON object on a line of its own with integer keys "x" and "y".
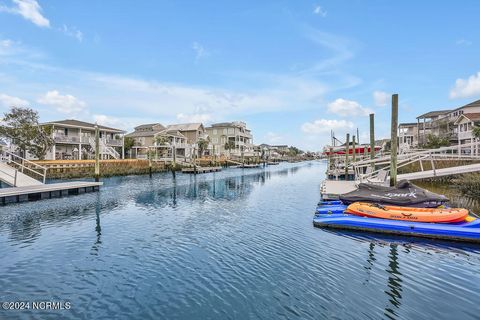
{"x": 243, "y": 159}
{"x": 174, "y": 165}
{"x": 347, "y": 150}
{"x": 354, "y": 152}
{"x": 194, "y": 161}
{"x": 97, "y": 153}
{"x": 393, "y": 141}
{"x": 214, "y": 156}
{"x": 149, "y": 155}
{"x": 372, "y": 138}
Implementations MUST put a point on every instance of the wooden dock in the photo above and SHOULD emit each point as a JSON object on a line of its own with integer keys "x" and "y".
{"x": 332, "y": 189}
{"x": 250, "y": 166}
{"x": 46, "y": 191}
{"x": 201, "y": 169}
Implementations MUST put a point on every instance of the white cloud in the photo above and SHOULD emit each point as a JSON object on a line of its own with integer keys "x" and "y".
{"x": 72, "y": 32}
{"x": 465, "y": 88}
{"x": 66, "y": 104}
{"x": 273, "y": 138}
{"x": 10, "y": 101}
{"x": 346, "y": 108}
{"x": 380, "y": 98}
{"x": 200, "y": 51}
{"x": 464, "y": 42}
{"x": 195, "y": 117}
{"x": 29, "y": 10}
{"x": 324, "y": 126}
{"x": 320, "y": 11}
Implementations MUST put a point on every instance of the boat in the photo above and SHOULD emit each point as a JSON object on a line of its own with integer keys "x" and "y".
{"x": 437, "y": 215}
{"x": 467, "y": 230}
{"x": 339, "y": 150}
{"x": 404, "y": 194}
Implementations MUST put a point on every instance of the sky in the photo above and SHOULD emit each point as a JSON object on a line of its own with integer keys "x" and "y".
{"x": 292, "y": 70}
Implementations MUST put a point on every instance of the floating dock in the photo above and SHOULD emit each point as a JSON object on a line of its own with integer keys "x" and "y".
{"x": 332, "y": 189}
{"x": 46, "y": 191}
{"x": 201, "y": 169}
{"x": 248, "y": 166}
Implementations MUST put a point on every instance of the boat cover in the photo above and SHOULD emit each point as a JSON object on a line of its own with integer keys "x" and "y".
{"x": 404, "y": 193}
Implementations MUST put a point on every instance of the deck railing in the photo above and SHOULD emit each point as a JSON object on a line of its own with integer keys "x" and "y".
{"x": 23, "y": 165}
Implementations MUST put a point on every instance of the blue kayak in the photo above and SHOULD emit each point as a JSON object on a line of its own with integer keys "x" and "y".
{"x": 331, "y": 209}
{"x": 464, "y": 231}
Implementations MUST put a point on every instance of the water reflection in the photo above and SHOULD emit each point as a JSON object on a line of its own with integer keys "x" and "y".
{"x": 394, "y": 283}
{"x": 98, "y": 227}
{"x": 24, "y": 221}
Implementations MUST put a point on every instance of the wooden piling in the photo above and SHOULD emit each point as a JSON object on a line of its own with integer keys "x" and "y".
{"x": 393, "y": 141}
{"x": 97, "y": 153}
{"x": 372, "y": 138}
{"x": 353, "y": 148}
{"x": 347, "y": 150}
{"x": 149, "y": 155}
{"x": 174, "y": 164}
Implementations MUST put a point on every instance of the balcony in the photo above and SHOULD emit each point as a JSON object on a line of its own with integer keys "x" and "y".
{"x": 114, "y": 142}
{"x": 66, "y": 139}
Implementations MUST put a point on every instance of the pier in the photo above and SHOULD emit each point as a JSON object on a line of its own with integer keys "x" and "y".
{"x": 46, "y": 191}
{"x": 201, "y": 169}
{"x": 32, "y": 187}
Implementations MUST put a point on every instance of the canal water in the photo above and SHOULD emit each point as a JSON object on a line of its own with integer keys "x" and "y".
{"x": 237, "y": 244}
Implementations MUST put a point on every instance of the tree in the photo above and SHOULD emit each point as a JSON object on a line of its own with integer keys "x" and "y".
{"x": 434, "y": 142}
{"x": 21, "y": 127}
{"x": 229, "y": 145}
{"x": 294, "y": 151}
{"x": 202, "y": 146}
{"x": 161, "y": 140}
{"x": 128, "y": 143}
{"x": 476, "y": 132}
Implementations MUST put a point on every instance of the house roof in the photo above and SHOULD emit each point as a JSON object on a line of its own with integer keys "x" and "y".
{"x": 471, "y": 104}
{"x": 148, "y": 126}
{"x": 146, "y": 130}
{"x": 170, "y": 132}
{"x": 238, "y": 124}
{"x": 470, "y": 116}
{"x": 81, "y": 124}
{"x": 185, "y": 126}
{"x": 432, "y": 114}
{"x": 408, "y": 124}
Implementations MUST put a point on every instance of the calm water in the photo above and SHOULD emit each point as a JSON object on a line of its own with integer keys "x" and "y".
{"x": 229, "y": 245}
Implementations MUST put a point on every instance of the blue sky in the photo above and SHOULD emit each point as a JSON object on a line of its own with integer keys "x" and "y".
{"x": 293, "y": 70}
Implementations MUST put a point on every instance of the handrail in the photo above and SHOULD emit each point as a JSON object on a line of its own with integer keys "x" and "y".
{"x": 25, "y": 160}
{"x": 22, "y": 165}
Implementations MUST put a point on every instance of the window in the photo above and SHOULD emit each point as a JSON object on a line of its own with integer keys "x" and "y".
{"x": 225, "y": 131}
{"x": 231, "y": 130}
{"x": 65, "y": 131}
{"x": 214, "y": 131}
{"x": 215, "y": 140}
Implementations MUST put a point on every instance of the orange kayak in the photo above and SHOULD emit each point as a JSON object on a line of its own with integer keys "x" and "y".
{"x": 373, "y": 210}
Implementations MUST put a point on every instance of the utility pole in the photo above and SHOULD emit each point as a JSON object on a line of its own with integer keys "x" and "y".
{"x": 393, "y": 141}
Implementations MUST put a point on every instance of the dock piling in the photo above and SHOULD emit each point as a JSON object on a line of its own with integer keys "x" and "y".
{"x": 354, "y": 151}
{"x": 393, "y": 141}
{"x": 97, "y": 153}
{"x": 372, "y": 138}
{"x": 347, "y": 150}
